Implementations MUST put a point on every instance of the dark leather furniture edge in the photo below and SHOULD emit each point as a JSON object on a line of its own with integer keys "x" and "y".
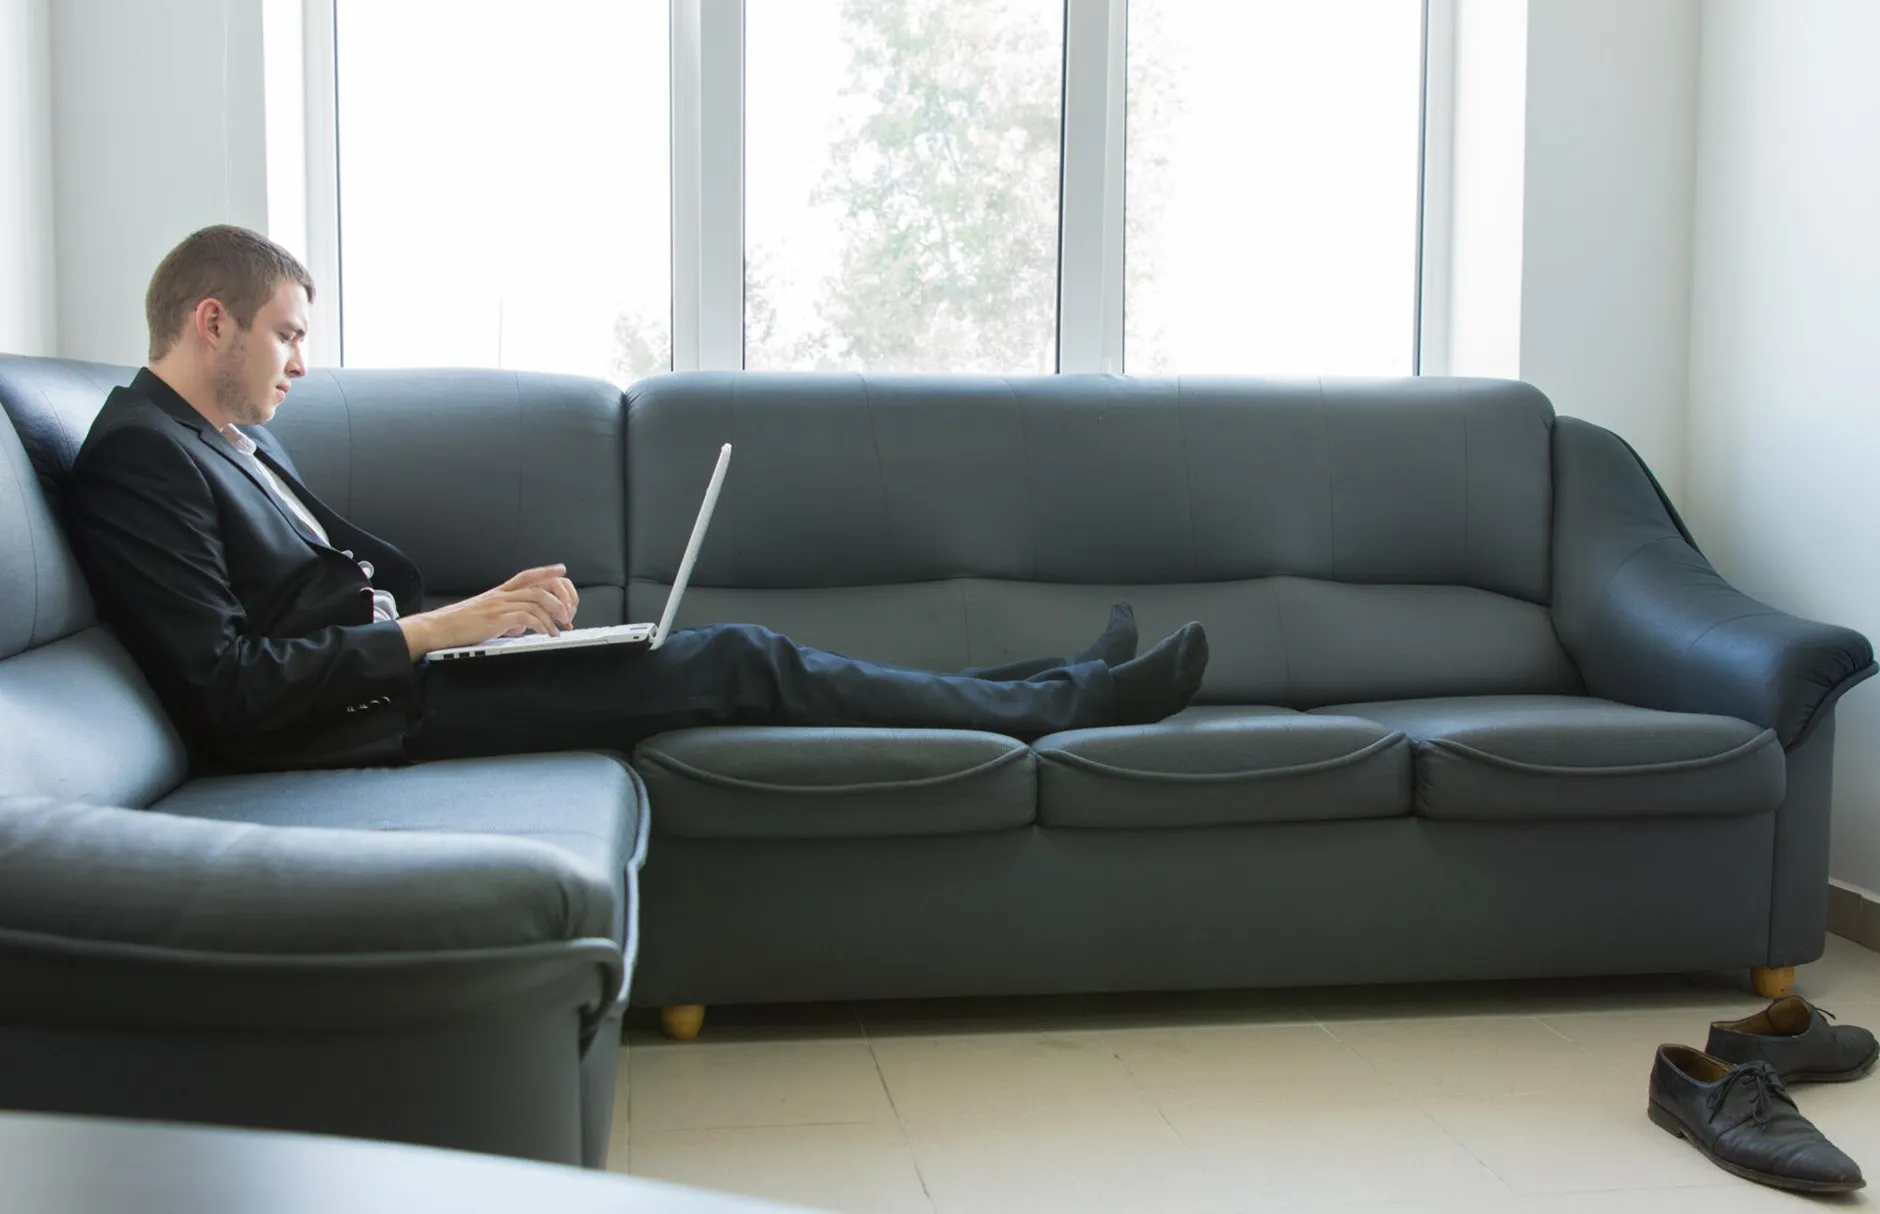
{"x": 460, "y": 1048}
{"x": 410, "y": 1034}
{"x": 144, "y": 877}
{"x": 1650, "y": 622}
{"x": 1798, "y": 892}
{"x": 1051, "y": 911}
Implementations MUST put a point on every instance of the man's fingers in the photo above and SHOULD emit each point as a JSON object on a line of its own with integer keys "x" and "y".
{"x": 529, "y": 577}
{"x": 552, "y": 603}
{"x": 533, "y": 618}
{"x": 542, "y": 605}
{"x": 565, "y": 591}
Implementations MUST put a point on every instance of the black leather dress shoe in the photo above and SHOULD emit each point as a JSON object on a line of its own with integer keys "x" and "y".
{"x": 1794, "y": 1037}
{"x": 1742, "y": 1119}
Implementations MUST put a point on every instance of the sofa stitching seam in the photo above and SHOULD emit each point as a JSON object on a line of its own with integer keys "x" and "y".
{"x": 1072, "y": 759}
{"x": 1024, "y": 453}
{"x": 1188, "y": 481}
{"x": 682, "y": 768}
{"x": 1463, "y": 750}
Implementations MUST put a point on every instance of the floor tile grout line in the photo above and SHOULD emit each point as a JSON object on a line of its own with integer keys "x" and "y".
{"x": 1375, "y": 1069}
{"x": 1136, "y": 1082}
{"x": 761, "y": 1125}
{"x": 1542, "y": 1021}
{"x": 868, "y": 1040}
{"x": 1468, "y": 1150}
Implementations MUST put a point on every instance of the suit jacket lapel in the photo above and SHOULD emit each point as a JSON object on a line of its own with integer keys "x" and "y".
{"x": 159, "y": 393}
{"x": 228, "y": 452}
{"x": 393, "y": 570}
{"x": 398, "y": 573}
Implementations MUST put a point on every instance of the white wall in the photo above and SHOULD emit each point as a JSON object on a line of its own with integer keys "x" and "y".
{"x": 1785, "y": 341}
{"x": 28, "y": 303}
{"x": 158, "y": 129}
{"x": 1606, "y": 241}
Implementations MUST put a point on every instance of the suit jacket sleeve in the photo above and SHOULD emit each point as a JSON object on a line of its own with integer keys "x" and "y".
{"x": 147, "y": 527}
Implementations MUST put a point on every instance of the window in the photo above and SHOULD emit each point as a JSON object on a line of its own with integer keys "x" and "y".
{"x": 1272, "y": 161}
{"x": 1234, "y": 187}
{"x": 503, "y": 182}
{"x": 901, "y": 184}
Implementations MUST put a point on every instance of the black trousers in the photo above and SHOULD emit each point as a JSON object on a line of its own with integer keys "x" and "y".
{"x": 732, "y": 674}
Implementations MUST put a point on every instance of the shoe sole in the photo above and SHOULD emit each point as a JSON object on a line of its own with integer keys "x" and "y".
{"x": 1671, "y": 1124}
{"x": 1835, "y": 1076}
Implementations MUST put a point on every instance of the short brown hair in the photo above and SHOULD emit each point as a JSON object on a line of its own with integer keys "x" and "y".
{"x": 239, "y": 268}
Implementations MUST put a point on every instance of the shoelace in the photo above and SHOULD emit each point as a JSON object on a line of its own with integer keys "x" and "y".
{"x": 1766, "y": 1088}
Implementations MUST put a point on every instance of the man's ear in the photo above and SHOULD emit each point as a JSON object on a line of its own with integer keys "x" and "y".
{"x": 211, "y": 322}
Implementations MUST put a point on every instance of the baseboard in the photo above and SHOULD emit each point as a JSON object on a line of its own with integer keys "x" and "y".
{"x": 1854, "y": 913}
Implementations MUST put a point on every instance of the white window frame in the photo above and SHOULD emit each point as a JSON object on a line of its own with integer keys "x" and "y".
{"x": 707, "y": 185}
{"x": 1092, "y": 197}
{"x": 302, "y": 156}
{"x": 1436, "y": 169}
{"x": 707, "y": 133}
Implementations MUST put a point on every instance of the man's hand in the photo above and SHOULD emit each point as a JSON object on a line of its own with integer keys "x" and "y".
{"x": 535, "y": 600}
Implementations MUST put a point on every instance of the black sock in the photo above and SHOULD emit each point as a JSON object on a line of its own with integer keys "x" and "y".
{"x": 1118, "y": 642}
{"x": 1161, "y": 682}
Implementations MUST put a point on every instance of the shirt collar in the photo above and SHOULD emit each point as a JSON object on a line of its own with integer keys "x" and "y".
{"x": 236, "y": 439}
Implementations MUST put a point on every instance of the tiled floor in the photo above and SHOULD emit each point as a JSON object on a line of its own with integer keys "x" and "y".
{"x": 1480, "y": 1098}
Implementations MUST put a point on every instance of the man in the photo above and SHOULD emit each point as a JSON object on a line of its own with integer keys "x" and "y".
{"x": 280, "y": 635}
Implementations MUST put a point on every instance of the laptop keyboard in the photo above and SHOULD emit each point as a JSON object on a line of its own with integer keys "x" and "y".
{"x": 534, "y": 640}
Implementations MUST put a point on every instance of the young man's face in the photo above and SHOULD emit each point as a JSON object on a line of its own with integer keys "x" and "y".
{"x": 254, "y": 370}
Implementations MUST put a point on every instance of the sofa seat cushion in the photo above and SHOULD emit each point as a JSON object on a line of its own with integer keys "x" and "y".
{"x": 767, "y": 782}
{"x": 587, "y": 805}
{"x": 1524, "y": 757}
{"x": 1220, "y": 765}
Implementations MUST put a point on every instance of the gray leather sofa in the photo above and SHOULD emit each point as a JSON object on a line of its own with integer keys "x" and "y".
{"x": 435, "y": 954}
{"x": 1477, "y": 708}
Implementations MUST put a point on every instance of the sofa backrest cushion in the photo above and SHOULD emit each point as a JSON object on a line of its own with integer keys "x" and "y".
{"x": 474, "y": 474}
{"x": 1298, "y": 642}
{"x": 869, "y": 480}
{"x": 52, "y": 402}
{"x": 77, "y": 719}
{"x": 1341, "y": 540}
{"x": 42, "y": 594}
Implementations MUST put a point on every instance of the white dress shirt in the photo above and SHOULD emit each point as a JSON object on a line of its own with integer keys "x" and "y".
{"x": 384, "y": 606}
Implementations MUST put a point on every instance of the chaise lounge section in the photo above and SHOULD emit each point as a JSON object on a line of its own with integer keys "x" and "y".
{"x": 434, "y": 954}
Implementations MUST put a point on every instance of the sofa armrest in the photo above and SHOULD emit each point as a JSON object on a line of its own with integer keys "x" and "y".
{"x": 1649, "y": 622}
{"x": 138, "y": 877}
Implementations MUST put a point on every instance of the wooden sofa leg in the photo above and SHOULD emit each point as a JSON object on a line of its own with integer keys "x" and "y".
{"x": 682, "y": 1021}
{"x": 1771, "y": 982}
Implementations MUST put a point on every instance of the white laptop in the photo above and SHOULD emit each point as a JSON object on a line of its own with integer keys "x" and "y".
{"x": 651, "y": 636}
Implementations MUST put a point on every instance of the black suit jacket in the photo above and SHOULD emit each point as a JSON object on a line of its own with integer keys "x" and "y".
{"x": 257, "y": 636}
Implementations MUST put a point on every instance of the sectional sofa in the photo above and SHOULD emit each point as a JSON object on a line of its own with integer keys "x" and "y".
{"x": 1478, "y": 707}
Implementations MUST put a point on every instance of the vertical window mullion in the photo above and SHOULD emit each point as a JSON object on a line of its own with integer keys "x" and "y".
{"x": 326, "y": 329}
{"x": 707, "y": 185}
{"x": 1091, "y": 199}
{"x": 1435, "y": 192}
